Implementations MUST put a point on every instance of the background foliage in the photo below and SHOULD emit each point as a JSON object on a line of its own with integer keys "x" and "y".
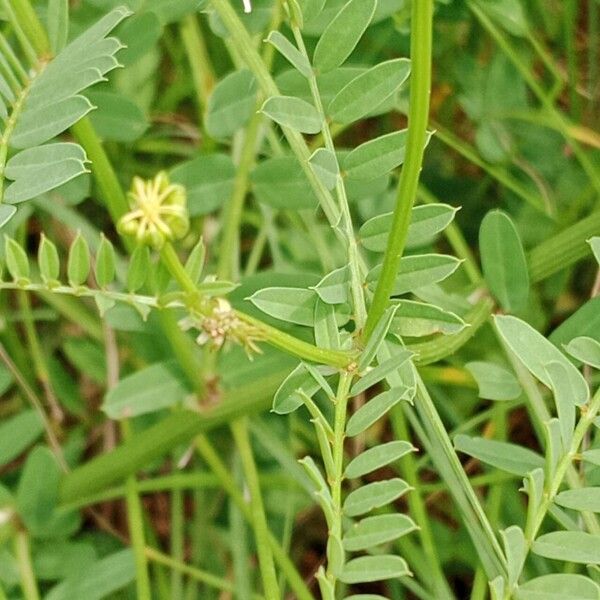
{"x": 448, "y": 438}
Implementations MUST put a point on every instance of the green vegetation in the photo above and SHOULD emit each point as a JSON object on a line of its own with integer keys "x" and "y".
{"x": 376, "y": 218}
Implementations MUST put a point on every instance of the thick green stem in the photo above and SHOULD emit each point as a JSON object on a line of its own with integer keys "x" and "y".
{"x": 418, "y": 115}
{"x": 32, "y": 26}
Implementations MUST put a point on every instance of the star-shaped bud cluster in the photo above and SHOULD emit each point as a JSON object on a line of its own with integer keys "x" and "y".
{"x": 158, "y": 211}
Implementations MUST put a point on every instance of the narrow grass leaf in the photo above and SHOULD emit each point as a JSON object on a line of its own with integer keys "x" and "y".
{"x": 503, "y": 260}
{"x": 502, "y": 455}
{"x": 294, "y": 113}
{"x": 367, "y": 91}
{"x": 374, "y": 568}
{"x": 343, "y": 33}
{"x": 380, "y": 529}
{"x": 374, "y": 495}
{"x": 570, "y": 546}
{"x": 377, "y": 457}
{"x": 494, "y": 382}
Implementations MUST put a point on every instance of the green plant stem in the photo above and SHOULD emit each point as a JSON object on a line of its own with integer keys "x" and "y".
{"x": 339, "y": 434}
{"x": 562, "y": 123}
{"x": 32, "y": 26}
{"x": 259, "y": 521}
{"x": 228, "y": 484}
{"x": 571, "y": 10}
{"x": 354, "y": 264}
{"x": 232, "y": 212}
{"x": 135, "y": 523}
{"x": 498, "y": 173}
{"x": 446, "y": 461}
{"x": 199, "y": 59}
{"x": 418, "y": 115}
{"x": 197, "y": 574}
{"x": 438, "y": 584}
{"x": 108, "y": 182}
{"x": 23, "y": 555}
{"x": 177, "y": 541}
{"x": 20, "y": 33}
{"x": 271, "y": 335}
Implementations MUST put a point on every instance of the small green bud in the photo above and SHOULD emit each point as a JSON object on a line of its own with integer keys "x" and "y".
{"x": 158, "y": 211}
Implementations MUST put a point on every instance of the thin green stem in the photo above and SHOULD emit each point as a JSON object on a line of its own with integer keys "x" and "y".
{"x": 418, "y": 115}
{"x": 17, "y": 21}
{"x": 27, "y": 575}
{"x": 135, "y": 522}
{"x": 356, "y": 278}
{"x": 32, "y": 27}
{"x": 259, "y": 521}
{"x": 177, "y": 541}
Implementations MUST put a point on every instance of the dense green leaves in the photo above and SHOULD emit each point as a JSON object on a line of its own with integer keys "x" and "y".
{"x": 503, "y": 261}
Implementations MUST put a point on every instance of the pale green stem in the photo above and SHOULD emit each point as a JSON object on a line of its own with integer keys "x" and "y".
{"x": 339, "y": 435}
{"x": 259, "y": 521}
{"x": 23, "y": 555}
{"x": 418, "y": 116}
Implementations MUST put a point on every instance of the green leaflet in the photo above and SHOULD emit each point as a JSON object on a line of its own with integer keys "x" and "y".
{"x": 78, "y": 264}
{"x": 558, "y": 586}
{"x": 376, "y": 374}
{"x": 595, "y": 245}
{"x": 377, "y": 457}
{"x": 17, "y": 433}
{"x": 374, "y": 495}
{"x": 294, "y": 305}
{"x": 38, "y": 170}
{"x": 374, "y": 568}
{"x": 427, "y": 222}
{"x": 154, "y": 388}
{"x": 231, "y": 104}
{"x": 117, "y": 118}
{"x": 287, "y": 398}
{"x": 290, "y": 52}
{"x": 343, "y": 33}
{"x": 585, "y": 349}
{"x": 292, "y": 112}
{"x": 99, "y": 580}
{"x": 565, "y": 409}
{"x": 502, "y": 455}
{"x": 48, "y": 260}
{"x": 325, "y": 166}
{"x": 535, "y": 352}
{"x": 208, "y": 180}
{"x": 334, "y": 287}
{"x": 367, "y": 91}
{"x": 571, "y": 546}
{"x": 104, "y": 268}
{"x": 418, "y": 271}
{"x": 417, "y": 319}
{"x": 515, "y": 549}
{"x": 587, "y": 498}
{"x": 374, "y": 409}
{"x": 503, "y": 261}
{"x": 380, "y": 529}
{"x": 16, "y": 260}
{"x": 494, "y": 382}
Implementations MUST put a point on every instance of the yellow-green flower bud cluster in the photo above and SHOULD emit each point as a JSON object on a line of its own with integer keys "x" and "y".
{"x": 158, "y": 211}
